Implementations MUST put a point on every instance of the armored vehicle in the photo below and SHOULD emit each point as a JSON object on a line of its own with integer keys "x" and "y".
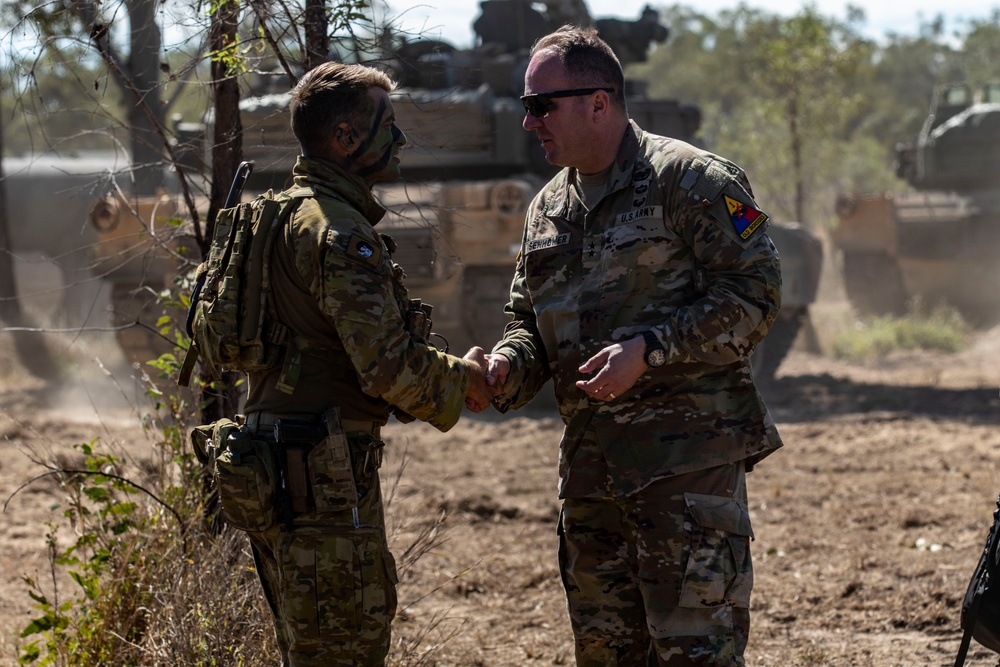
{"x": 111, "y": 252}
{"x": 470, "y": 170}
{"x": 939, "y": 240}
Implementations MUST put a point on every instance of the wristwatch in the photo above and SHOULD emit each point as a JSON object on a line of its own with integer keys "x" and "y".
{"x": 656, "y": 356}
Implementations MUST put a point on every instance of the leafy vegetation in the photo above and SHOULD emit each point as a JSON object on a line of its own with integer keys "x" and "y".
{"x": 940, "y": 329}
{"x": 148, "y": 575}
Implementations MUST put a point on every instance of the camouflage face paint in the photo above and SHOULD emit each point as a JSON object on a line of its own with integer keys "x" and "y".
{"x": 375, "y": 158}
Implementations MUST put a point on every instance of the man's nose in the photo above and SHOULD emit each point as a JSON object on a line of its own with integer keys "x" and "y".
{"x": 531, "y": 121}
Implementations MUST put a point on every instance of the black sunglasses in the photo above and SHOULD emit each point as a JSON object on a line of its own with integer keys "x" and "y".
{"x": 540, "y": 105}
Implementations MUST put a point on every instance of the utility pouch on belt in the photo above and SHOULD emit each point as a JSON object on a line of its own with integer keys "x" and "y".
{"x": 331, "y": 473}
{"x": 244, "y": 471}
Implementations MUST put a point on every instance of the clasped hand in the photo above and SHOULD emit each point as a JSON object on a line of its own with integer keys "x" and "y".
{"x": 489, "y": 372}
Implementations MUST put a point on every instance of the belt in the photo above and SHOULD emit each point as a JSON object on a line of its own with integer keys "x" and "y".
{"x": 263, "y": 421}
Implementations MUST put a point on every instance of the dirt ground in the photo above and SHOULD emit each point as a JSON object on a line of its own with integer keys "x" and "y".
{"x": 868, "y": 522}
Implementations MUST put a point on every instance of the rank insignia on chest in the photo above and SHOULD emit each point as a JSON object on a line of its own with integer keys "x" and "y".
{"x": 364, "y": 249}
{"x": 746, "y": 219}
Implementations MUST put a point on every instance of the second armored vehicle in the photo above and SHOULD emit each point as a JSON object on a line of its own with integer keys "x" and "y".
{"x": 939, "y": 241}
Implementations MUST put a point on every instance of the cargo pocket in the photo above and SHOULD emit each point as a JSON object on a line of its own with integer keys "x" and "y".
{"x": 340, "y": 594}
{"x": 718, "y": 570}
{"x": 331, "y": 475}
{"x": 246, "y": 479}
{"x": 391, "y": 599}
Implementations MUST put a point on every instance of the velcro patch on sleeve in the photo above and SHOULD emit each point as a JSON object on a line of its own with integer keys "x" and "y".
{"x": 364, "y": 249}
{"x": 705, "y": 182}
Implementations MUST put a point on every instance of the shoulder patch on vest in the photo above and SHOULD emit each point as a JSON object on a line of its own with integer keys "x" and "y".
{"x": 364, "y": 250}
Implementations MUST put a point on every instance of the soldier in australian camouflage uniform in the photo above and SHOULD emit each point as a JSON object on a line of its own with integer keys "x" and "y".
{"x": 644, "y": 281}
{"x": 321, "y": 550}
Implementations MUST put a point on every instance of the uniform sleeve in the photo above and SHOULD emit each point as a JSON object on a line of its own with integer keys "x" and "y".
{"x": 738, "y": 275}
{"x": 522, "y": 345}
{"x": 355, "y": 291}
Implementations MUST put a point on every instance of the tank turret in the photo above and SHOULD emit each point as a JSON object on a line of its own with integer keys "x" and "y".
{"x": 958, "y": 144}
{"x": 460, "y": 108}
{"x": 939, "y": 241}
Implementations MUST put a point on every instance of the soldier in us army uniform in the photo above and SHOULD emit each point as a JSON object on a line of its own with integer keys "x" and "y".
{"x": 352, "y": 359}
{"x": 644, "y": 281}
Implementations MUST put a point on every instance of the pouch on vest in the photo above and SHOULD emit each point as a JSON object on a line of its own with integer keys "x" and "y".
{"x": 231, "y": 321}
{"x": 247, "y": 479}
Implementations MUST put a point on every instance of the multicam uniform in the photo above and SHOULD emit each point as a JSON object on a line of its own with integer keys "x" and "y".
{"x": 655, "y": 529}
{"x": 323, "y": 559}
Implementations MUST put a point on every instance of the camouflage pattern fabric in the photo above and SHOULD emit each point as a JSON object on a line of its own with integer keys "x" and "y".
{"x": 677, "y": 246}
{"x": 331, "y": 586}
{"x": 336, "y": 287}
{"x": 664, "y": 577}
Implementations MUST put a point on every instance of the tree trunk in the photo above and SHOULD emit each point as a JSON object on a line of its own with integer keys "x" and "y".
{"x": 146, "y": 116}
{"x": 227, "y": 151}
{"x": 317, "y": 33}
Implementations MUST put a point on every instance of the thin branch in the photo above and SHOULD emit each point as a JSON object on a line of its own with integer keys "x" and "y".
{"x": 269, "y": 38}
{"x": 75, "y": 471}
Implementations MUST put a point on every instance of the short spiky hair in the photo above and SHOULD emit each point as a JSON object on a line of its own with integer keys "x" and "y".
{"x": 329, "y": 94}
{"x": 587, "y": 58}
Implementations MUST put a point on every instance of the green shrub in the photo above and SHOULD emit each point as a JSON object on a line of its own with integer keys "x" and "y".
{"x": 939, "y": 329}
{"x": 154, "y": 579}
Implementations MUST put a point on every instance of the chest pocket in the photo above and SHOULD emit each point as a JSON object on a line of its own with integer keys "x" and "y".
{"x": 551, "y": 260}
{"x": 640, "y": 243}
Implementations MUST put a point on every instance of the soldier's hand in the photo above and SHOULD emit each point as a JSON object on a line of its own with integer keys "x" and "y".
{"x": 620, "y": 366}
{"x": 498, "y": 371}
{"x": 480, "y": 391}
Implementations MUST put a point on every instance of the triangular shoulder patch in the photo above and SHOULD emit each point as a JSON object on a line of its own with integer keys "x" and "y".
{"x": 746, "y": 219}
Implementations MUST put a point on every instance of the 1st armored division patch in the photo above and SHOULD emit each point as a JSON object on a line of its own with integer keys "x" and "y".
{"x": 745, "y": 219}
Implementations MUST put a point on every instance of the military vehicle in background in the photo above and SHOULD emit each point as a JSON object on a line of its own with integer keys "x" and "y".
{"x": 142, "y": 248}
{"x": 470, "y": 170}
{"x": 801, "y": 253}
{"x": 111, "y": 252}
{"x": 938, "y": 241}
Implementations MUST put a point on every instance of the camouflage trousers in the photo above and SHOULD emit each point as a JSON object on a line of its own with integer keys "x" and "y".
{"x": 662, "y": 577}
{"x": 330, "y": 584}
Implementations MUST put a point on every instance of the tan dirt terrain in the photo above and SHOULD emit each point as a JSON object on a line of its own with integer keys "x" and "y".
{"x": 868, "y": 523}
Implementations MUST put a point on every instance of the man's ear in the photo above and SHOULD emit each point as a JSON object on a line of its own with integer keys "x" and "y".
{"x": 346, "y": 138}
{"x": 602, "y": 104}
